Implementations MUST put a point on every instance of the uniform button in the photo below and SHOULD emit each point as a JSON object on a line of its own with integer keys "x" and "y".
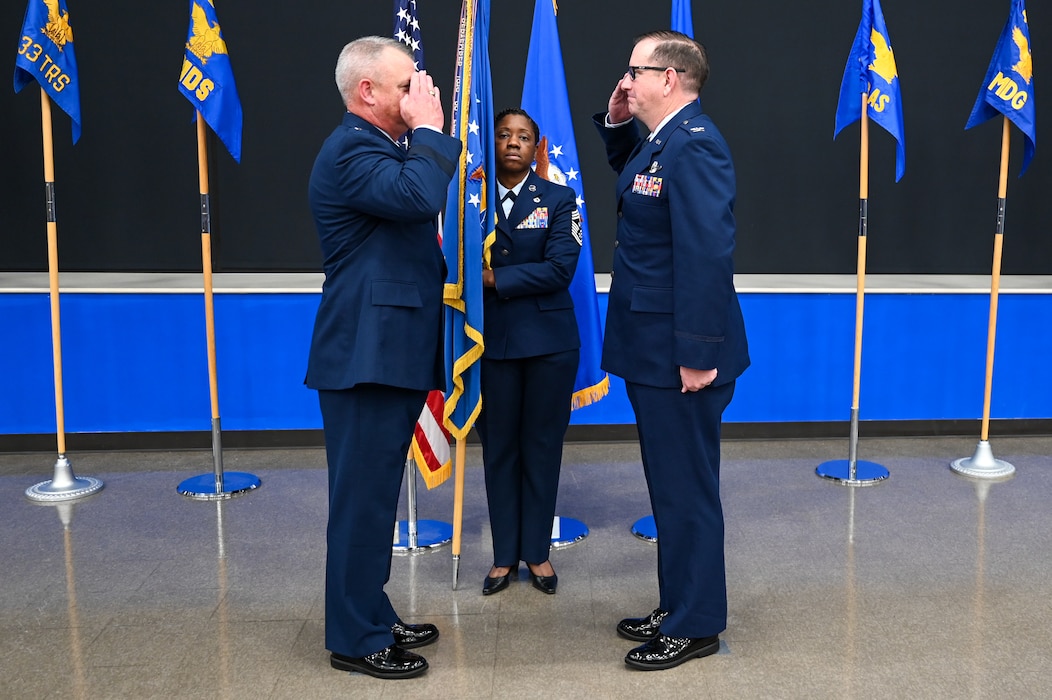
{"x": 616, "y": 243}
{"x": 619, "y": 214}
{"x": 611, "y": 274}
{"x": 505, "y": 251}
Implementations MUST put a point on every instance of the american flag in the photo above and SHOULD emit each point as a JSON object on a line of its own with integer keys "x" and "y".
{"x": 430, "y": 439}
{"x": 407, "y": 29}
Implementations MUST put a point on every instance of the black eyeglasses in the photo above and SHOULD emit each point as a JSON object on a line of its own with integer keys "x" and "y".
{"x": 632, "y": 70}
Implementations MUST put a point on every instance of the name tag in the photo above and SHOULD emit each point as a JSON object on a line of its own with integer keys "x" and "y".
{"x": 538, "y": 218}
{"x": 647, "y": 185}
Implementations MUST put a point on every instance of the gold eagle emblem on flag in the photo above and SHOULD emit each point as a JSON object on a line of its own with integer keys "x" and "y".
{"x": 883, "y": 58}
{"x": 57, "y": 28}
{"x": 1025, "y": 67}
{"x": 207, "y": 36}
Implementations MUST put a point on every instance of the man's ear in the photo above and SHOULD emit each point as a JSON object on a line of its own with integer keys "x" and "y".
{"x": 365, "y": 91}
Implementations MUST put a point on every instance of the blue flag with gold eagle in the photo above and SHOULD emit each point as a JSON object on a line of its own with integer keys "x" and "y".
{"x": 45, "y": 54}
{"x": 871, "y": 71}
{"x": 545, "y": 98}
{"x": 470, "y": 219}
{"x": 1009, "y": 84}
{"x": 207, "y": 78}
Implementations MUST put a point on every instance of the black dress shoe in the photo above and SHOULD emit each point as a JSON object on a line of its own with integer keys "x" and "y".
{"x": 391, "y": 662}
{"x": 545, "y": 584}
{"x": 413, "y": 636}
{"x": 499, "y": 583}
{"x": 642, "y": 629}
{"x": 663, "y": 651}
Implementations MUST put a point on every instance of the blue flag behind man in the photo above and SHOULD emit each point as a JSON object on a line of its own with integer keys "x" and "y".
{"x": 470, "y": 218}
{"x": 871, "y": 71}
{"x": 682, "y": 21}
{"x": 1009, "y": 84}
{"x": 207, "y": 78}
{"x": 45, "y": 54}
{"x": 545, "y": 98}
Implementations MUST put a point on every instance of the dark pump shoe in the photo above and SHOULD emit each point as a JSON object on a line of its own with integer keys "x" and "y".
{"x": 545, "y": 584}
{"x": 499, "y": 583}
{"x": 391, "y": 662}
{"x": 413, "y": 636}
{"x": 663, "y": 652}
{"x": 642, "y": 629}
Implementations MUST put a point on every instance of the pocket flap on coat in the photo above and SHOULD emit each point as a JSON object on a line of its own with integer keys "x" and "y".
{"x": 394, "y": 293}
{"x": 657, "y": 300}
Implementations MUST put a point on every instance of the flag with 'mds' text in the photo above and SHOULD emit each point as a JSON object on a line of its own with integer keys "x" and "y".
{"x": 871, "y": 71}
{"x": 207, "y": 78}
{"x": 470, "y": 219}
{"x": 46, "y": 54}
{"x": 1008, "y": 88}
{"x": 545, "y": 98}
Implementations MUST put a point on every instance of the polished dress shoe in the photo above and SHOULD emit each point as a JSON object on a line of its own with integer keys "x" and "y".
{"x": 390, "y": 662}
{"x": 642, "y": 629}
{"x": 663, "y": 651}
{"x": 413, "y": 636}
{"x": 544, "y": 584}
{"x": 497, "y": 584}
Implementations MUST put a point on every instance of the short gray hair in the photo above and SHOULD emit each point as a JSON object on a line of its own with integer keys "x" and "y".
{"x": 359, "y": 58}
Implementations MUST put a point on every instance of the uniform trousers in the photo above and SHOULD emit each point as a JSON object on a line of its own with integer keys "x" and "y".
{"x": 525, "y": 411}
{"x": 679, "y": 437}
{"x": 368, "y": 429}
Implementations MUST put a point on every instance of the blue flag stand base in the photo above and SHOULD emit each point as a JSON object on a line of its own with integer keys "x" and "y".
{"x": 863, "y": 474}
{"x": 982, "y": 464}
{"x": 645, "y": 529}
{"x": 412, "y": 536}
{"x": 567, "y": 531}
{"x": 63, "y": 486}
{"x": 218, "y": 486}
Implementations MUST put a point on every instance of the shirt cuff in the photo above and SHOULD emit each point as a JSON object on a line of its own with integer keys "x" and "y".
{"x": 608, "y": 125}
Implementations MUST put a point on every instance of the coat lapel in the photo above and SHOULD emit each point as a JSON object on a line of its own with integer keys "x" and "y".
{"x": 651, "y": 151}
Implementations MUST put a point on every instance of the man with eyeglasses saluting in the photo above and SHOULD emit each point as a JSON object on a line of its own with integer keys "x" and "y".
{"x": 674, "y": 330}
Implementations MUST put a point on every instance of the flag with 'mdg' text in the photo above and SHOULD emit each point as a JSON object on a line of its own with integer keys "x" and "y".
{"x": 871, "y": 71}
{"x": 545, "y": 98}
{"x": 1008, "y": 88}
{"x": 470, "y": 219}
{"x": 46, "y": 54}
{"x": 207, "y": 78}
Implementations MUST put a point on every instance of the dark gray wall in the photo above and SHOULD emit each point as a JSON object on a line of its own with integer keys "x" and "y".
{"x": 127, "y": 193}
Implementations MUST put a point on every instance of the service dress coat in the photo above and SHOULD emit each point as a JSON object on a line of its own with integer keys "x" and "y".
{"x": 672, "y": 304}
{"x": 375, "y": 352}
{"x": 529, "y": 366}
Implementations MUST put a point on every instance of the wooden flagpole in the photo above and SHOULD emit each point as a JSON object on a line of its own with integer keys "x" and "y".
{"x": 215, "y": 486}
{"x": 458, "y": 504}
{"x": 64, "y": 485}
{"x": 848, "y": 473}
{"x": 982, "y": 463}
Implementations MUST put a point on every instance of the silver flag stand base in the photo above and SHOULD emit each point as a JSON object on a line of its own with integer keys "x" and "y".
{"x": 567, "y": 531}
{"x": 645, "y": 529}
{"x": 982, "y": 464}
{"x": 64, "y": 486}
{"x": 865, "y": 473}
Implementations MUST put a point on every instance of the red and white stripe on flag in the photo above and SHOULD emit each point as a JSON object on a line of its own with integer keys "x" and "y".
{"x": 431, "y": 442}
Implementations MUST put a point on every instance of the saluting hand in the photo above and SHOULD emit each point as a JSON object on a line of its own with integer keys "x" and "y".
{"x": 617, "y": 107}
{"x": 422, "y": 104}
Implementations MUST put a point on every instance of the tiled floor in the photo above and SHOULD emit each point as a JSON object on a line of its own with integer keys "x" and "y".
{"x": 925, "y": 586}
